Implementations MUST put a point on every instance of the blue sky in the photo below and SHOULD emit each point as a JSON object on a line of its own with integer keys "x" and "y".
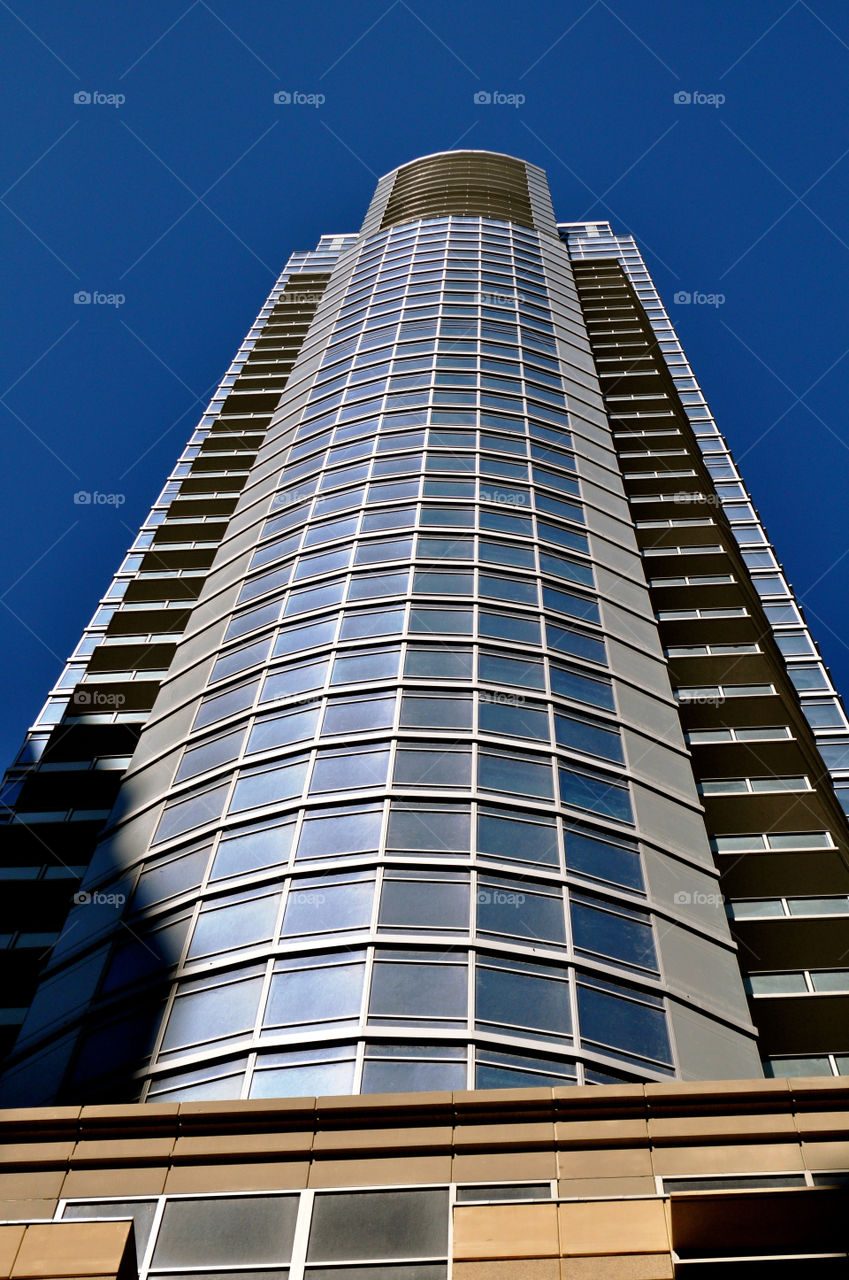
{"x": 187, "y": 198}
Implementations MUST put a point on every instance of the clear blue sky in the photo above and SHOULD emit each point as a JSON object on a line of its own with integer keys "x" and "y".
{"x": 189, "y": 196}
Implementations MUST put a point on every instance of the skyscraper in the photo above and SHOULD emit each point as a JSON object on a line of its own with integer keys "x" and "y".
{"x": 450, "y": 724}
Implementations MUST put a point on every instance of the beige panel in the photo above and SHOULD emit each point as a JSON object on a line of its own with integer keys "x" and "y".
{"x": 673, "y": 1162}
{"x": 633, "y": 1163}
{"x": 255, "y": 1176}
{"x": 613, "y": 1226}
{"x": 641, "y": 1266}
{"x": 72, "y": 1249}
{"x": 505, "y": 1231}
{"x": 10, "y": 1242}
{"x": 404, "y": 1171}
{"x": 514, "y": 1166}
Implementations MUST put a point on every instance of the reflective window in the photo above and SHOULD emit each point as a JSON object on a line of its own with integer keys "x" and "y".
{"x": 530, "y": 998}
{"x": 229, "y": 1230}
{"x": 316, "y": 989}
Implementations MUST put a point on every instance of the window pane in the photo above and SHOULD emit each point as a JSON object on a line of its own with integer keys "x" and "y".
{"x": 231, "y": 1229}
{"x": 508, "y": 774}
{"x": 379, "y": 1224}
{"x": 522, "y": 996}
{"x": 600, "y": 931}
{"x": 254, "y": 849}
{"x": 325, "y": 835}
{"x": 271, "y": 786}
{"x": 354, "y": 717}
{"x": 589, "y": 855}
{"x": 226, "y": 927}
{"x": 416, "y": 828}
{"x": 424, "y": 904}
{"x": 595, "y": 793}
{"x": 401, "y": 992}
{"x": 314, "y": 906}
{"x": 609, "y": 1018}
{"x": 300, "y": 996}
{"x": 351, "y": 770}
{"x": 213, "y": 1013}
{"x": 503, "y": 836}
{"x": 421, "y": 767}
{"x": 510, "y": 908}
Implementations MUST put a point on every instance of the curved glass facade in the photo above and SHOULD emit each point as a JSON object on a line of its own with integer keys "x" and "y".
{"x": 400, "y": 847}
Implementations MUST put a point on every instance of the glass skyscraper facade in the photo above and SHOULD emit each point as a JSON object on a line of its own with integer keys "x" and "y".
{"x": 461, "y": 727}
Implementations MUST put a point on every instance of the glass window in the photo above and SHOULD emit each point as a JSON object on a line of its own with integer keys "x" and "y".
{"x": 520, "y": 1071}
{"x": 252, "y": 849}
{"x": 233, "y": 923}
{"x": 497, "y": 669}
{"x": 269, "y": 786}
{"x": 292, "y": 640}
{"x": 284, "y": 730}
{"x": 249, "y": 655}
{"x": 316, "y": 989}
{"x": 420, "y": 711}
{"x": 382, "y": 622}
{"x": 291, "y": 681}
{"x": 209, "y": 754}
{"x": 183, "y": 815}
{"x": 506, "y": 714}
{"x": 439, "y": 663}
{"x": 599, "y": 928}
{"x": 226, "y": 704}
{"x": 356, "y": 716}
{"x": 373, "y": 585}
{"x": 424, "y": 828}
{"x": 329, "y": 833}
{"x": 381, "y": 664}
{"x": 570, "y": 684}
{"x": 432, "y": 767}
{"x": 517, "y": 909}
{"x": 316, "y": 904}
{"x": 518, "y": 591}
{"x": 302, "y": 1073}
{"x": 168, "y": 877}
{"x": 630, "y": 1022}
{"x": 420, "y": 900}
{"x": 427, "y": 582}
{"x": 441, "y": 621}
{"x": 309, "y": 598}
{"x": 346, "y": 770}
{"x": 510, "y": 774}
{"x": 583, "y": 735}
{"x": 596, "y": 792}
{"x": 207, "y": 1011}
{"x": 347, "y": 1226}
{"x": 508, "y": 834}
{"x": 525, "y": 997}
{"x": 573, "y": 606}
{"x": 410, "y": 987}
{"x": 506, "y": 626}
{"x": 229, "y": 1230}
